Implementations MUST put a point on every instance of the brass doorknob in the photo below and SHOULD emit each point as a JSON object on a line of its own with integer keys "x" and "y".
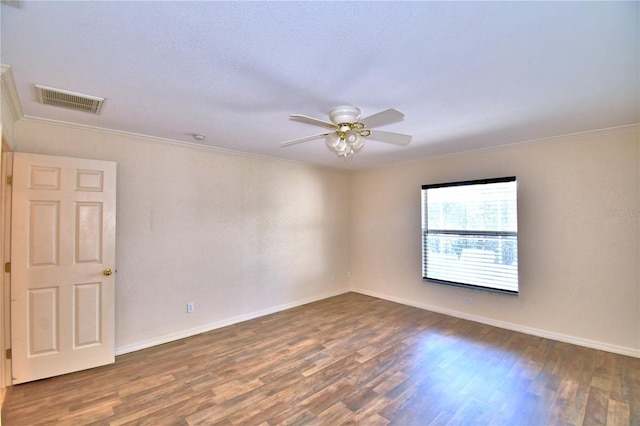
{"x": 107, "y": 272}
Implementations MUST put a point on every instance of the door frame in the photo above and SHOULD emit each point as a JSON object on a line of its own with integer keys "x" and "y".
{"x": 5, "y": 277}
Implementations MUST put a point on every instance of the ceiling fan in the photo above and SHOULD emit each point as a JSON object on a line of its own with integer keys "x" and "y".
{"x": 347, "y": 131}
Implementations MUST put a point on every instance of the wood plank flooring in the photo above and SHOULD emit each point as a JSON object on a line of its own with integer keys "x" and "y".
{"x": 350, "y": 359}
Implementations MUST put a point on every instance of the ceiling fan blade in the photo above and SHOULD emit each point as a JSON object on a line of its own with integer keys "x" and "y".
{"x": 390, "y": 137}
{"x": 307, "y": 138}
{"x": 311, "y": 120}
{"x": 383, "y": 117}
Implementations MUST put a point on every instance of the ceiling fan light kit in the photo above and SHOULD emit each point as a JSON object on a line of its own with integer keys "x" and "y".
{"x": 348, "y": 130}
{"x": 345, "y": 141}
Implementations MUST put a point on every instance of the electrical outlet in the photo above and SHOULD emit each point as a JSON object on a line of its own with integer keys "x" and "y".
{"x": 468, "y": 300}
{"x": 190, "y": 308}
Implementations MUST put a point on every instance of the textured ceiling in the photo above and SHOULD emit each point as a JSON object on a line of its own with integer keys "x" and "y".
{"x": 467, "y": 75}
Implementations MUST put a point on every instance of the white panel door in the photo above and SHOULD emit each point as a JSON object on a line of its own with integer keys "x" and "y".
{"x": 62, "y": 263}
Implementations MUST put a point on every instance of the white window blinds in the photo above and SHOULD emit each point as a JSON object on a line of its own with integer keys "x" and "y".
{"x": 470, "y": 234}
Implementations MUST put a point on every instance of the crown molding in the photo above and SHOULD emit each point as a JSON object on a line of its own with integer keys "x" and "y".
{"x": 155, "y": 139}
{"x": 548, "y": 139}
{"x": 9, "y": 90}
{"x": 138, "y": 136}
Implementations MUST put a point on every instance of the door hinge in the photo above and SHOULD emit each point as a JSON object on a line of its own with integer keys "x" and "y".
{"x": 7, "y": 354}
{"x": 7, "y": 267}
{"x": 9, "y": 180}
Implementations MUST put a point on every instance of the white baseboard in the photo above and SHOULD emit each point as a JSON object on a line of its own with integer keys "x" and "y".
{"x": 506, "y": 325}
{"x": 463, "y": 315}
{"x": 230, "y": 321}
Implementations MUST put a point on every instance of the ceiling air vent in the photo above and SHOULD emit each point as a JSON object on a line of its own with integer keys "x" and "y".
{"x": 67, "y": 99}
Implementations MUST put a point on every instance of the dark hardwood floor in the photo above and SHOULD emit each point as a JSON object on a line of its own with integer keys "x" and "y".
{"x": 350, "y": 359}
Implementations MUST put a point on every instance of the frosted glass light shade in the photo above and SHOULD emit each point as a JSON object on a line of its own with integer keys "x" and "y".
{"x": 332, "y": 140}
{"x": 354, "y": 139}
{"x": 359, "y": 144}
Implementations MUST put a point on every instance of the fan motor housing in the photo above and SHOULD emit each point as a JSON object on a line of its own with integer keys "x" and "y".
{"x": 344, "y": 114}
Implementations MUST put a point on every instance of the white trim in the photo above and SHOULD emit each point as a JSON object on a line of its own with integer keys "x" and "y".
{"x": 622, "y": 350}
{"x": 9, "y": 88}
{"x": 586, "y": 133}
{"x": 463, "y": 315}
{"x": 5, "y": 209}
{"x": 154, "y": 139}
{"x": 224, "y": 323}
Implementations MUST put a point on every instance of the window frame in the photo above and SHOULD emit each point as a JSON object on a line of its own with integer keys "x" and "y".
{"x": 466, "y": 233}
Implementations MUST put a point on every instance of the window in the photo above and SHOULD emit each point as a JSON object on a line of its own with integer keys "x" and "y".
{"x": 470, "y": 234}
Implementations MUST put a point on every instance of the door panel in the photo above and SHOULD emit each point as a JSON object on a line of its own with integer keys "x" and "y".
{"x": 44, "y": 233}
{"x": 62, "y": 239}
{"x": 88, "y": 231}
{"x": 42, "y": 318}
{"x": 87, "y": 320}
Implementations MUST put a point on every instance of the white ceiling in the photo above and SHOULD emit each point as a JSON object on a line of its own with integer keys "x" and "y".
{"x": 467, "y": 75}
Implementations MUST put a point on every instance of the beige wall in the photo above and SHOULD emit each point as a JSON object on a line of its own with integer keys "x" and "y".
{"x": 237, "y": 235}
{"x": 579, "y": 245}
{"x": 242, "y": 236}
